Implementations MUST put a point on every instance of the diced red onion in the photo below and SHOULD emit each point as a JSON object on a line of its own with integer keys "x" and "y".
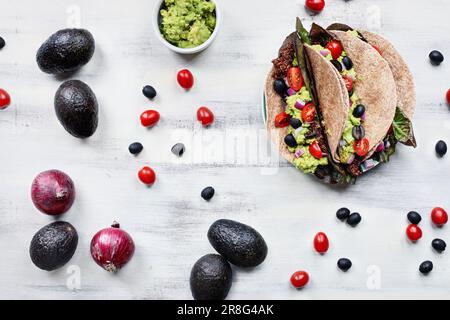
{"x": 380, "y": 147}
{"x": 299, "y": 153}
{"x": 363, "y": 117}
{"x": 342, "y": 143}
{"x": 299, "y": 104}
{"x": 324, "y": 52}
{"x": 291, "y": 92}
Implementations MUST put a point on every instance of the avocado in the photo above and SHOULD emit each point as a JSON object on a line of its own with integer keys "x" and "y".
{"x": 211, "y": 278}
{"x": 66, "y": 51}
{"x": 53, "y": 245}
{"x": 77, "y": 108}
{"x": 240, "y": 244}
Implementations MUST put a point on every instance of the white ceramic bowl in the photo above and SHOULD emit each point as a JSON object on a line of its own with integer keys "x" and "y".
{"x": 193, "y": 50}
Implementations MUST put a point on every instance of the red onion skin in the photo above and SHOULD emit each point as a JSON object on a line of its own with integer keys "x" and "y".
{"x": 53, "y": 192}
{"x": 112, "y": 248}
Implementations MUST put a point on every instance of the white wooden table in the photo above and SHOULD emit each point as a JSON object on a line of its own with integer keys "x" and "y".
{"x": 169, "y": 221}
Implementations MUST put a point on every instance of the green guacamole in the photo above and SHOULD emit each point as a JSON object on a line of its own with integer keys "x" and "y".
{"x": 187, "y": 23}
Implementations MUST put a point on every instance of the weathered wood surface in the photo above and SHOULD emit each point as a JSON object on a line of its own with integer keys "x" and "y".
{"x": 169, "y": 221}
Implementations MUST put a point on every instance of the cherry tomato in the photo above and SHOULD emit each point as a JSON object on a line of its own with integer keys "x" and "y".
{"x": 335, "y": 47}
{"x": 361, "y": 147}
{"x": 376, "y": 48}
{"x": 448, "y": 96}
{"x": 315, "y": 5}
{"x": 299, "y": 279}
{"x": 282, "y": 120}
{"x": 439, "y": 216}
{"x": 295, "y": 78}
{"x": 205, "y": 116}
{"x": 413, "y": 232}
{"x": 149, "y": 118}
{"x": 5, "y": 99}
{"x": 315, "y": 150}
{"x": 147, "y": 176}
{"x": 308, "y": 112}
{"x": 348, "y": 83}
{"x": 185, "y": 79}
{"x": 321, "y": 243}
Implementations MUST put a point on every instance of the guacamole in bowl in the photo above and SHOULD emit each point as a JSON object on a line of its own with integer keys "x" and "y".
{"x": 187, "y": 24}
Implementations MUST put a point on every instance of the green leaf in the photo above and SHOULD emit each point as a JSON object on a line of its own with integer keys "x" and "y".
{"x": 403, "y": 130}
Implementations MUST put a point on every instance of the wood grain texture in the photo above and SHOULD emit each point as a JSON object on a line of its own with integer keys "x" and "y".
{"x": 169, "y": 221}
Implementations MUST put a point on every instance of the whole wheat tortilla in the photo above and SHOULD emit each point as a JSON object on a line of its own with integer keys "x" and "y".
{"x": 333, "y": 98}
{"x": 406, "y": 95}
{"x": 374, "y": 85}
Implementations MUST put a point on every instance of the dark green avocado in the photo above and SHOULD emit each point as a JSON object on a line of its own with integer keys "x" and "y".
{"x": 77, "y": 108}
{"x": 66, "y": 51}
{"x": 240, "y": 244}
{"x": 211, "y": 278}
{"x": 53, "y": 245}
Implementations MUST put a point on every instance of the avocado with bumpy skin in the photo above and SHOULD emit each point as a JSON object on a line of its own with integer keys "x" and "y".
{"x": 77, "y": 108}
{"x": 53, "y": 245}
{"x": 66, "y": 51}
{"x": 240, "y": 244}
{"x": 211, "y": 278}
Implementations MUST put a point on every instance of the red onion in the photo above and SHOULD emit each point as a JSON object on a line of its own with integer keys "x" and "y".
{"x": 300, "y": 104}
{"x": 380, "y": 147}
{"x": 351, "y": 158}
{"x": 53, "y": 192}
{"x": 299, "y": 153}
{"x": 324, "y": 52}
{"x": 291, "y": 92}
{"x": 112, "y": 248}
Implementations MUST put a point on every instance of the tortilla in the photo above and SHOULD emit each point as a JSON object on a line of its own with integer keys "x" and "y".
{"x": 375, "y": 86}
{"x": 406, "y": 95}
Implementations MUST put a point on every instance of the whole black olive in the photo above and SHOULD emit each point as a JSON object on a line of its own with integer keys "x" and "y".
{"x": 359, "y": 111}
{"x": 426, "y": 267}
{"x": 441, "y": 148}
{"x": 436, "y": 57}
{"x": 280, "y": 87}
{"x": 295, "y": 123}
{"x": 358, "y": 132}
{"x": 348, "y": 63}
{"x": 439, "y": 245}
{"x": 414, "y": 217}
{"x": 354, "y": 219}
{"x": 342, "y": 213}
{"x": 344, "y": 264}
{"x": 337, "y": 65}
{"x": 290, "y": 141}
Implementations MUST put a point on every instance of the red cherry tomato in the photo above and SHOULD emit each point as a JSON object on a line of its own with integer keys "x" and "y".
{"x": 308, "y": 112}
{"x": 282, "y": 120}
{"x": 147, "y": 176}
{"x": 149, "y": 118}
{"x": 205, "y": 116}
{"x": 361, "y": 147}
{"x": 376, "y": 48}
{"x": 185, "y": 79}
{"x": 413, "y": 232}
{"x": 335, "y": 47}
{"x": 448, "y": 96}
{"x": 315, "y": 5}
{"x": 295, "y": 78}
{"x": 439, "y": 216}
{"x": 348, "y": 83}
{"x": 299, "y": 279}
{"x": 5, "y": 99}
{"x": 321, "y": 243}
{"x": 315, "y": 150}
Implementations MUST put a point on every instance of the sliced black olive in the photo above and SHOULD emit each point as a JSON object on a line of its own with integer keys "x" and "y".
{"x": 358, "y": 132}
{"x": 426, "y": 267}
{"x": 414, "y": 217}
{"x": 290, "y": 141}
{"x": 441, "y": 148}
{"x": 295, "y": 123}
{"x": 280, "y": 87}
{"x": 348, "y": 63}
{"x": 359, "y": 111}
{"x": 436, "y": 57}
{"x": 337, "y": 65}
{"x": 438, "y": 245}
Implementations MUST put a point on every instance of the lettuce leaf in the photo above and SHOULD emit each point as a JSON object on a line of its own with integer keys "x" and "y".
{"x": 403, "y": 130}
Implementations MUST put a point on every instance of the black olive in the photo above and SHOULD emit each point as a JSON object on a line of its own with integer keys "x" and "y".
{"x": 280, "y": 87}
{"x": 354, "y": 219}
{"x": 441, "y": 148}
{"x": 342, "y": 214}
{"x": 135, "y": 148}
{"x": 348, "y": 63}
{"x": 414, "y": 217}
{"x": 2, "y": 43}
{"x": 344, "y": 264}
{"x": 436, "y": 57}
{"x": 207, "y": 193}
{"x": 358, "y": 132}
{"x": 149, "y": 92}
{"x": 337, "y": 65}
{"x": 290, "y": 141}
{"x": 438, "y": 245}
{"x": 359, "y": 111}
{"x": 426, "y": 267}
{"x": 295, "y": 123}
{"x": 178, "y": 149}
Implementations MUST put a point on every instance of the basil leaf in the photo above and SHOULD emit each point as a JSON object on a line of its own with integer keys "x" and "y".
{"x": 403, "y": 130}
